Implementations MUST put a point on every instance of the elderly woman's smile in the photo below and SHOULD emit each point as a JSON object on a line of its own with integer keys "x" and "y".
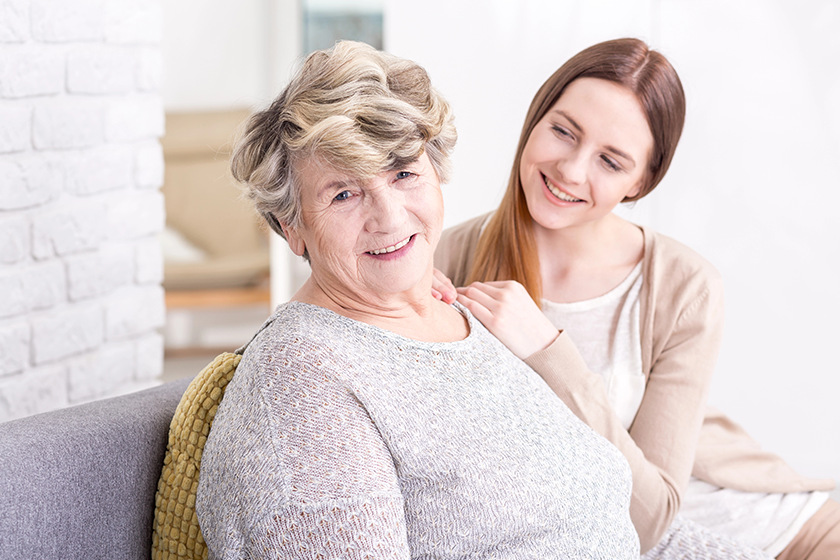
{"x": 369, "y": 239}
{"x": 387, "y": 251}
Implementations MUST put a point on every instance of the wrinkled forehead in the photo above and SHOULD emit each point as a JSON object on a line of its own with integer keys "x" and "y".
{"x": 317, "y": 168}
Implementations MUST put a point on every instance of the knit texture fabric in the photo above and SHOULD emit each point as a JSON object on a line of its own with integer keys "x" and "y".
{"x": 687, "y": 540}
{"x": 176, "y": 533}
{"x": 338, "y": 439}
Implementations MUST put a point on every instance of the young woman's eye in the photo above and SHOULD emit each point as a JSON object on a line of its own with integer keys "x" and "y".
{"x": 404, "y": 174}
{"x": 560, "y": 131}
{"x": 611, "y": 165}
{"x": 343, "y": 195}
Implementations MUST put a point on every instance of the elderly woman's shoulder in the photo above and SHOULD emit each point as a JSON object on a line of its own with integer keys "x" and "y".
{"x": 293, "y": 328}
{"x": 293, "y": 353}
{"x": 297, "y": 342}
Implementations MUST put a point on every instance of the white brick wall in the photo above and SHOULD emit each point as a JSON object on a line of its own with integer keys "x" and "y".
{"x": 67, "y": 333}
{"x": 69, "y": 228}
{"x": 107, "y": 369}
{"x": 80, "y": 168}
{"x": 40, "y": 390}
{"x": 99, "y": 273}
{"x": 134, "y": 312}
{"x": 26, "y": 70}
{"x": 13, "y": 21}
{"x": 15, "y": 127}
{"x": 15, "y": 341}
{"x": 101, "y": 69}
{"x": 69, "y": 122}
{"x": 15, "y": 240}
{"x": 27, "y": 181}
{"x": 148, "y": 165}
{"x": 148, "y": 264}
{"x": 100, "y": 169}
{"x": 68, "y": 20}
{"x": 133, "y": 22}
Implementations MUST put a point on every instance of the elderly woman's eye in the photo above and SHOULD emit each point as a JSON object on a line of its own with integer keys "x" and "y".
{"x": 404, "y": 174}
{"x": 343, "y": 195}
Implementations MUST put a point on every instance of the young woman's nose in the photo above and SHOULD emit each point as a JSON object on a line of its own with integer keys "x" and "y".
{"x": 572, "y": 168}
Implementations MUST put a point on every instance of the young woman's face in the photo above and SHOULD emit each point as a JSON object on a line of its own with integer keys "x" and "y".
{"x": 585, "y": 155}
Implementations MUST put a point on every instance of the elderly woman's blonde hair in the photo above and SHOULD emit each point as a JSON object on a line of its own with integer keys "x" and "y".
{"x": 359, "y": 110}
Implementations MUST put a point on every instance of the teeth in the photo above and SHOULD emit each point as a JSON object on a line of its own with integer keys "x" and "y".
{"x": 558, "y": 193}
{"x": 392, "y": 248}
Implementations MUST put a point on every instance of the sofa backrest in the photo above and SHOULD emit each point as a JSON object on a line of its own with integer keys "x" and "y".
{"x": 79, "y": 483}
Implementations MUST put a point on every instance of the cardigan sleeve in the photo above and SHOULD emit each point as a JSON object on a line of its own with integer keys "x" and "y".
{"x": 456, "y": 248}
{"x": 661, "y": 442}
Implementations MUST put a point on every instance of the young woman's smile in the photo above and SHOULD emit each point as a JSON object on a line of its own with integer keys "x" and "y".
{"x": 559, "y": 193}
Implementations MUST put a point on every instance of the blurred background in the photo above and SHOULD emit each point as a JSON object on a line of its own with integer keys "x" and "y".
{"x": 753, "y": 186}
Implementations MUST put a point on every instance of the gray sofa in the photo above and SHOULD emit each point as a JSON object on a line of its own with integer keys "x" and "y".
{"x": 80, "y": 483}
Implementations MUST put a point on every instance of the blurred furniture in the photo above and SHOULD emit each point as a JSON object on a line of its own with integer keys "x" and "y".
{"x": 79, "y": 483}
{"x": 206, "y": 207}
{"x": 216, "y": 253}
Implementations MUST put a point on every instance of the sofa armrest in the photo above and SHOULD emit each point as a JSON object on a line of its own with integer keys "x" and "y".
{"x": 80, "y": 482}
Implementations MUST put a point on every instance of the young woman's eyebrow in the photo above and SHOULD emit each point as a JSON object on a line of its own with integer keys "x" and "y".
{"x": 579, "y": 128}
{"x": 568, "y": 117}
{"x": 621, "y": 154}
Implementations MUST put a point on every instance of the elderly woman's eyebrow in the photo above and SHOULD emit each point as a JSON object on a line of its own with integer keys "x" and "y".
{"x": 402, "y": 163}
{"x": 332, "y": 186}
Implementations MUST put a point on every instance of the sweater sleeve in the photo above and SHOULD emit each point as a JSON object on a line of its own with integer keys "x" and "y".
{"x": 295, "y": 467}
{"x": 661, "y": 442}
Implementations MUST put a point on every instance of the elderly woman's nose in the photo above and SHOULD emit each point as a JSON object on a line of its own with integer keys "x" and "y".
{"x": 386, "y": 211}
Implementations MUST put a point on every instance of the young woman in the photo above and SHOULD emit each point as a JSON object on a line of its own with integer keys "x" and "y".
{"x": 642, "y": 311}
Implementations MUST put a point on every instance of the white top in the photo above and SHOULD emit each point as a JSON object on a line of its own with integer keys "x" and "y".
{"x": 605, "y": 330}
{"x": 338, "y": 439}
{"x": 766, "y": 521}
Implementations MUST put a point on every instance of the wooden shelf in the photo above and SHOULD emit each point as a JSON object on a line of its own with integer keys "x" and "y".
{"x": 230, "y": 297}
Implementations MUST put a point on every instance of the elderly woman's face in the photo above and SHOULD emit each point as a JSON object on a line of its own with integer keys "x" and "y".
{"x": 374, "y": 238}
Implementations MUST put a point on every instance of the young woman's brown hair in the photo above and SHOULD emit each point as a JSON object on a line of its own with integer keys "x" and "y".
{"x": 507, "y": 250}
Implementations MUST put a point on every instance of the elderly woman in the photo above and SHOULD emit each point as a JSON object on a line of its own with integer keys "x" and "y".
{"x": 367, "y": 419}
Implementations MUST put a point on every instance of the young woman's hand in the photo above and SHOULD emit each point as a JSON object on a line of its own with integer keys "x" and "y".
{"x": 442, "y": 288}
{"x": 510, "y": 314}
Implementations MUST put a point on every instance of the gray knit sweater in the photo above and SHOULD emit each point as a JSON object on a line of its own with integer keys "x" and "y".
{"x": 338, "y": 439}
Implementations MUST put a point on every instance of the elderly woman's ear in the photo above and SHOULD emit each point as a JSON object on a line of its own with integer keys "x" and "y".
{"x": 295, "y": 241}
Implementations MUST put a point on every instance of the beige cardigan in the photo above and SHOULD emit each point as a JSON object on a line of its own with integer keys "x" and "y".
{"x": 681, "y": 326}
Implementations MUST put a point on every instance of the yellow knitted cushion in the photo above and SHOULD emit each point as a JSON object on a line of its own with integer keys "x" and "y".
{"x": 176, "y": 533}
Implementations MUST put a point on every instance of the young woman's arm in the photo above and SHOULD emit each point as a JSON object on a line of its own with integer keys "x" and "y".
{"x": 662, "y": 440}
